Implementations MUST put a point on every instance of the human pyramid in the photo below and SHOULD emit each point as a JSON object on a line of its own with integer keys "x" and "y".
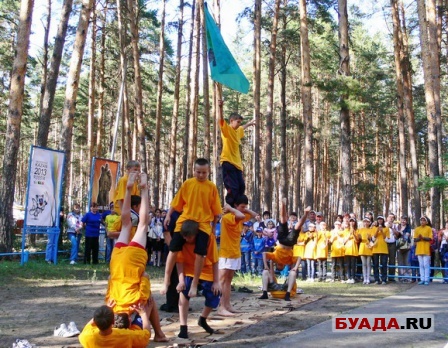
{"x": 193, "y": 250}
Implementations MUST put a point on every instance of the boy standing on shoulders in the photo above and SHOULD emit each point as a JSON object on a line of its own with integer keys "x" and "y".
{"x": 198, "y": 200}
{"x": 230, "y": 252}
{"x": 232, "y": 166}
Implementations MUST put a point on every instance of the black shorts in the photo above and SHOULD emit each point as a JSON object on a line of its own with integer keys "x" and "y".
{"x": 157, "y": 245}
{"x": 200, "y": 245}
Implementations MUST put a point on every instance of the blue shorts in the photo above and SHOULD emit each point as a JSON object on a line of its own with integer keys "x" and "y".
{"x": 211, "y": 300}
{"x": 137, "y": 321}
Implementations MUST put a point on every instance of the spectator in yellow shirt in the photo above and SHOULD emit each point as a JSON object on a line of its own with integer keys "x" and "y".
{"x": 422, "y": 239}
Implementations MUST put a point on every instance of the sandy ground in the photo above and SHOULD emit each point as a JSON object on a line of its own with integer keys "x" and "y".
{"x": 31, "y": 309}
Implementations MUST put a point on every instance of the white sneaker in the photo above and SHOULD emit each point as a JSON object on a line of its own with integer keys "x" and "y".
{"x": 63, "y": 331}
{"x": 73, "y": 329}
{"x": 22, "y": 344}
{"x": 73, "y": 262}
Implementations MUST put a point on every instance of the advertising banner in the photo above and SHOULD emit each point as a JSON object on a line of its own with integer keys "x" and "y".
{"x": 44, "y": 187}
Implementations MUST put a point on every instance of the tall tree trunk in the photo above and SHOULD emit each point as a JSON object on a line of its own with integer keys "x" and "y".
{"x": 205, "y": 87}
{"x": 194, "y": 90}
{"x": 307, "y": 105}
{"x": 397, "y": 38}
{"x": 344, "y": 70}
{"x": 406, "y": 72}
{"x": 431, "y": 110}
{"x": 13, "y": 123}
{"x": 126, "y": 134}
{"x": 138, "y": 89}
{"x": 270, "y": 109}
{"x": 92, "y": 87}
{"x": 257, "y": 108}
{"x": 101, "y": 89}
{"x": 283, "y": 115}
{"x": 171, "y": 182}
{"x": 188, "y": 114}
{"x": 433, "y": 37}
{"x": 157, "y": 151}
{"x": 217, "y": 96}
{"x": 45, "y": 56}
{"x": 71, "y": 92}
{"x": 50, "y": 86}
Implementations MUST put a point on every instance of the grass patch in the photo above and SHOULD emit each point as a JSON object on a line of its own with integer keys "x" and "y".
{"x": 12, "y": 271}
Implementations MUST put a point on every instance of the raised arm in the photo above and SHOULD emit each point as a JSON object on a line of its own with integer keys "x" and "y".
{"x": 248, "y": 124}
{"x": 302, "y": 220}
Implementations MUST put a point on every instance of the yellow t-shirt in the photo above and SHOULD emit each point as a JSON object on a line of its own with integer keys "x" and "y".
{"x": 113, "y": 223}
{"x": 119, "y": 338}
{"x": 423, "y": 247}
{"x": 231, "y": 236}
{"x": 364, "y": 250}
{"x": 337, "y": 243}
{"x": 198, "y": 201}
{"x": 310, "y": 247}
{"x": 231, "y": 141}
{"x": 187, "y": 257}
{"x": 299, "y": 248}
{"x": 127, "y": 286}
{"x": 322, "y": 245}
{"x": 350, "y": 247}
{"x": 380, "y": 246}
{"x": 121, "y": 191}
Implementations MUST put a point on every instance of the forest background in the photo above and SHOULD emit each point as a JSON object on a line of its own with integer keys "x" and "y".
{"x": 350, "y": 112}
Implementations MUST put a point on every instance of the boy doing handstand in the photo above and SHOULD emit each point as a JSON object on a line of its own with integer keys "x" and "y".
{"x": 198, "y": 200}
{"x": 129, "y": 284}
{"x": 208, "y": 279}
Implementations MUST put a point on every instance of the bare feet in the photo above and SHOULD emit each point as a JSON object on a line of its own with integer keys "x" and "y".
{"x": 164, "y": 289}
{"x": 160, "y": 337}
{"x": 132, "y": 178}
{"x": 224, "y": 312}
{"x": 143, "y": 181}
{"x": 233, "y": 310}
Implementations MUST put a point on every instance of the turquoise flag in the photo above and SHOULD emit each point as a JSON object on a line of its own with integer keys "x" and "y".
{"x": 223, "y": 67}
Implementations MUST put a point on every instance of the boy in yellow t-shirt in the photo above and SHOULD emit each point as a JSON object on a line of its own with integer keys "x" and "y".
{"x": 230, "y": 251}
{"x": 198, "y": 200}
{"x": 99, "y": 332}
{"x": 131, "y": 167}
{"x": 231, "y": 163}
{"x": 208, "y": 279}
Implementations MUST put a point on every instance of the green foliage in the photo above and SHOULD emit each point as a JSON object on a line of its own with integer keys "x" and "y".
{"x": 440, "y": 182}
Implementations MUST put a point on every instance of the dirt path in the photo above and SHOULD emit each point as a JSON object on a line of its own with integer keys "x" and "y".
{"x": 32, "y": 309}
